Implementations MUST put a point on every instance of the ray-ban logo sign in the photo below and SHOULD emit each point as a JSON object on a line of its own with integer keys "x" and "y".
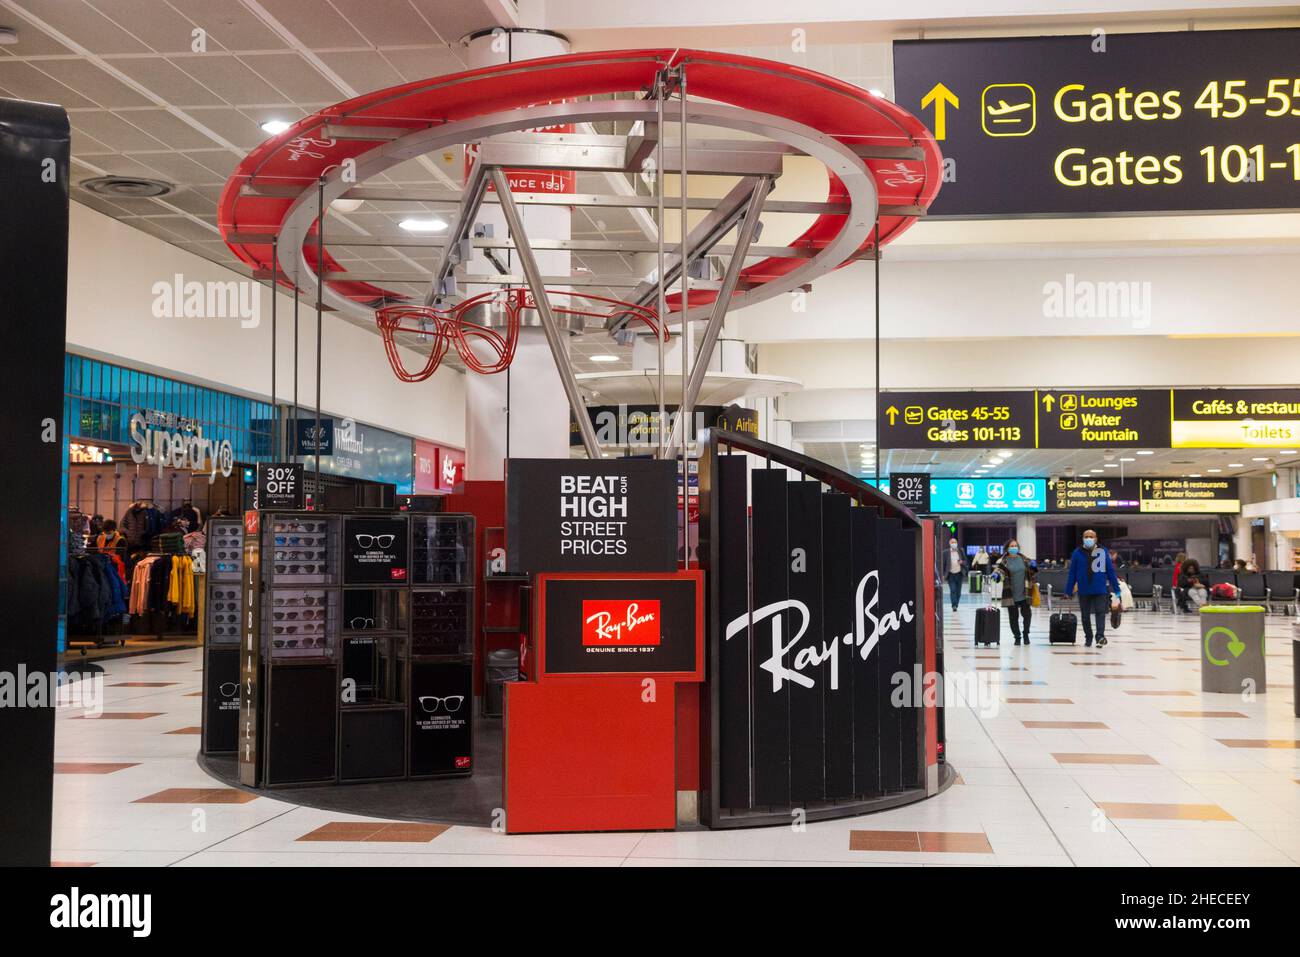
{"x": 869, "y": 627}
{"x": 620, "y": 622}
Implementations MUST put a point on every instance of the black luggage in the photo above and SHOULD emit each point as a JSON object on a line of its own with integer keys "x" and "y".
{"x": 988, "y": 626}
{"x": 1063, "y": 629}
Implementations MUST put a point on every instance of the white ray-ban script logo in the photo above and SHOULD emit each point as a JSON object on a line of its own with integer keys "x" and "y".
{"x": 865, "y": 612}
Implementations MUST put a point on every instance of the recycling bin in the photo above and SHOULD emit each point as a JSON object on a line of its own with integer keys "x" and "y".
{"x": 1232, "y": 649}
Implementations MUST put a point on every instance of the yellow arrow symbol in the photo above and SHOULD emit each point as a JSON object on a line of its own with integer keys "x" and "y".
{"x": 942, "y": 98}
{"x": 1047, "y": 401}
{"x": 892, "y": 412}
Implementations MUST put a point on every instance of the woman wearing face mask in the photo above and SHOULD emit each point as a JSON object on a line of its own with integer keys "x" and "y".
{"x": 955, "y": 567}
{"x": 1092, "y": 571}
{"x": 1017, "y": 572}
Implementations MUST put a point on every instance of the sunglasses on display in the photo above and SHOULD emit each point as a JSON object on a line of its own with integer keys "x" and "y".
{"x": 298, "y": 569}
{"x": 301, "y": 600}
{"x": 451, "y": 703}
{"x": 299, "y": 556}
{"x": 295, "y": 615}
{"x": 370, "y": 541}
{"x": 294, "y": 629}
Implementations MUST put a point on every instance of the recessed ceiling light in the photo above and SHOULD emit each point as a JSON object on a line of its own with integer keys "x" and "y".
{"x": 1214, "y": 471}
{"x": 1005, "y": 453}
{"x": 1128, "y": 460}
{"x": 8, "y": 36}
{"x": 346, "y": 205}
{"x": 1146, "y": 452}
{"x": 1110, "y": 465}
{"x": 1195, "y": 475}
{"x": 431, "y": 225}
{"x": 275, "y": 127}
{"x": 1095, "y": 471}
{"x": 1260, "y": 458}
{"x": 1236, "y": 465}
{"x": 604, "y": 358}
{"x": 1286, "y": 452}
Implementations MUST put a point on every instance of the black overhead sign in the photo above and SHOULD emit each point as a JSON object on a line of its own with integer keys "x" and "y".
{"x": 1115, "y": 418}
{"x": 1109, "y": 123}
{"x": 1093, "y": 495}
{"x": 955, "y": 420}
{"x": 375, "y": 551}
{"x": 575, "y": 515}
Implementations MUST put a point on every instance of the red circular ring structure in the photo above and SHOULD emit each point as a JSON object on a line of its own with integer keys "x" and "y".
{"x": 291, "y": 164}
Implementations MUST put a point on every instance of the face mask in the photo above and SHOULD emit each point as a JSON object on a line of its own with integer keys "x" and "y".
{"x": 1089, "y": 542}
{"x": 1013, "y": 550}
{"x": 952, "y": 544}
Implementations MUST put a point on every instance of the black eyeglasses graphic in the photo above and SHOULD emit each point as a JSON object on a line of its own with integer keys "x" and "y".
{"x": 451, "y": 703}
{"x": 370, "y": 541}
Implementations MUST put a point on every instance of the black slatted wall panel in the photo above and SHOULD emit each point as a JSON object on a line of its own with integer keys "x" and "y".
{"x": 732, "y": 573}
{"x": 864, "y": 526}
{"x": 908, "y": 563}
{"x": 807, "y": 723}
{"x": 837, "y": 615}
{"x": 893, "y": 558}
{"x": 771, "y": 707}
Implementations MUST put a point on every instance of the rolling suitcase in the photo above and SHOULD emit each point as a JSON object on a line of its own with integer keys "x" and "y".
{"x": 1063, "y": 628}
{"x": 988, "y": 626}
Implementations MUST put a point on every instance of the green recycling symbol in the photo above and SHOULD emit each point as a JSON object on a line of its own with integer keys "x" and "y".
{"x": 1235, "y": 645}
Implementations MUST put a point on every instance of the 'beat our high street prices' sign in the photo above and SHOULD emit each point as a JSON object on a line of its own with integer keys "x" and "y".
{"x": 1109, "y": 122}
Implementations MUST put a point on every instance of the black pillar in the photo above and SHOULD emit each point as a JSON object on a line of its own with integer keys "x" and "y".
{"x": 34, "y": 276}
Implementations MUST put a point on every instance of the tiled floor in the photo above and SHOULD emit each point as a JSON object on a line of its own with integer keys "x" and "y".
{"x": 1138, "y": 769}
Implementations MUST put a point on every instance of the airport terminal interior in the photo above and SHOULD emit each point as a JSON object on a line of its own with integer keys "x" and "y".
{"x": 544, "y": 432}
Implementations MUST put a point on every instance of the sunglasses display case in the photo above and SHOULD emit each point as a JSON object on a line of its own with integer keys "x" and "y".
{"x": 440, "y": 549}
{"x": 366, "y": 644}
{"x": 222, "y": 600}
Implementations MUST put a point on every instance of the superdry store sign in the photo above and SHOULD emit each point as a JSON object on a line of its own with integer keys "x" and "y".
{"x": 1108, "y": 122}
{"x": 568, "y": 515}
{"x": 170, "y": 441}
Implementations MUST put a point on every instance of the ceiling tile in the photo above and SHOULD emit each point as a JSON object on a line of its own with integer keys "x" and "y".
{"x": 97, "y": 203}
{"x": 294, "y": 77}
{"x": 176, "y": 168}
{"x": 26, "y": 82}
{"x": 454, "y": 20}
{"x": 233, "y": 25}
{"x": 364, "y": 70}
{"x": 32, "y": 41}
{"x": 164, "y": 79}
{"x": 423, "y": 63}
{"x": 384, "y": 22}
{"x": 168, "y": 128}
{"x": 82, "y": 24}
{"x": 229, "y": 78}
{"x": 192, "y": 202}
{"x": 153, "y": 22}
{"x": 186, "y": 228}
{"x": 316, "y": 24}
{"x": 232, "y": 124}
{"x": 115, "y": 132}
{"x": 221, "y": 162}
{"x": 99, "y": 85}
{"x": 83, "y": 144}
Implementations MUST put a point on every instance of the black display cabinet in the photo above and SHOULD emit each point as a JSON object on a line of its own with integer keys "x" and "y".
{"x": 440, "y": 694}
{"x": 365, "y": 629}
{"x": 223, "y": 582}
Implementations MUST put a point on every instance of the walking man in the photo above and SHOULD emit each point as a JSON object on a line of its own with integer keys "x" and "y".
{"x": 1093, "y": 573}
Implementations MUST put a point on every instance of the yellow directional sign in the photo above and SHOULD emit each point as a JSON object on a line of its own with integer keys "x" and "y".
{"x": 942, "y": 98}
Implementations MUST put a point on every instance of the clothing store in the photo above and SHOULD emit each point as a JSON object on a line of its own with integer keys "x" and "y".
{"x": 150, "y": 458}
